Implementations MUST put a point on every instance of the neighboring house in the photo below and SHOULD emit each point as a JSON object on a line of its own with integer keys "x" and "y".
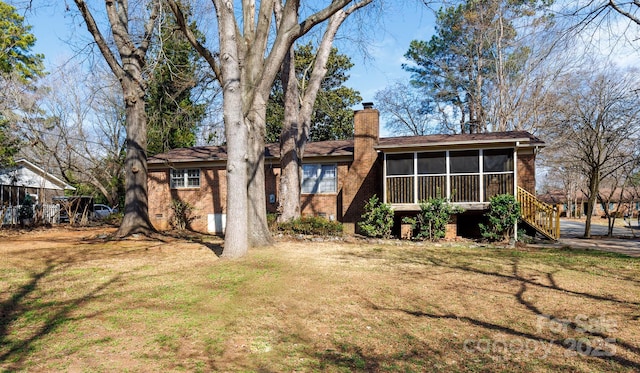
{"x": 340, "y": 176}
{"x": 27, "y": 178}
{"x": 623, "y": 202}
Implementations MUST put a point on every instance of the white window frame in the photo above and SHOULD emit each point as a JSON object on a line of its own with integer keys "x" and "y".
{"x": 184, "y": 178}
{"x": 315, "y": 171}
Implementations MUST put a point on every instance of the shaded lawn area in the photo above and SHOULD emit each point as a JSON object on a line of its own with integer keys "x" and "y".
{"x": 73, "y": 300}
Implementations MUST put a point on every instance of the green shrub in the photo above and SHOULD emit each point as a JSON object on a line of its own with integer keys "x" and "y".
{"x": 377, "y": 219}
{"x": 272, "y": 222}
{"x": 312, "y": 225}
{"x": 504, "y": 212}
{"x": 26, "y": 209}
{"x": 182, "y": 214}
{"x": 431, "y": 221}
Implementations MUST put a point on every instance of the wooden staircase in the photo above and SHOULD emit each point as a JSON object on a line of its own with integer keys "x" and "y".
{"x": 541, "y": 216}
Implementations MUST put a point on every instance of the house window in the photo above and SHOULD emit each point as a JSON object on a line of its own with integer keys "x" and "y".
{"x": 497, "y": 166}
{"x": 319, "y": 178}
{"x": 432, "y": 175}
{"x": 432, "y": 163}
{"x": 185, "y": 178}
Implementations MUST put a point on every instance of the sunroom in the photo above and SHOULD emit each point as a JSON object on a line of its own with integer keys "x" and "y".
{"x": 467, "y": 170}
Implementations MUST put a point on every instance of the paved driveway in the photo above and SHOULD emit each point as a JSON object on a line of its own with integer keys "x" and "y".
{"x": 626, "y": 241}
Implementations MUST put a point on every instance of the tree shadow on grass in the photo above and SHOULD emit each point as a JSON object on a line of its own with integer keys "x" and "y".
{"x": 15, "y": 350}
{"x": 576, "y": 348}
{"x": 581, "y": 332}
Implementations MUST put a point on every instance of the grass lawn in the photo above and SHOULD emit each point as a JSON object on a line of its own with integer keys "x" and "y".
{"x": 73, "y": 300}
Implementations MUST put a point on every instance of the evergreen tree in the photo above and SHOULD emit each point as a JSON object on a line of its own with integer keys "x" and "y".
{"x": 472, "y": 53}
{"x": 173, "y": 116}
{"x": 332, "y": 114}
{"x": 18, "y": 66}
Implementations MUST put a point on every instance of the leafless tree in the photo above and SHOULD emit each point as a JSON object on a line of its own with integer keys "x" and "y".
{"x": 298, "y": 111}
{"x": 595, "y": 10}
{"x": 81, "y": 130}
{"x": 615, "y": 195}
{"x": 597, "y": 123}
{"x": 407, "y": 111}
{"x": 124, "y": 48}
{"x": 250, "y": 51}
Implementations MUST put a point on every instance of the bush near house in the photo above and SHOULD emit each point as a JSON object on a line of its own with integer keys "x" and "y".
{"x": 311, "y": 225}
{"x": 182, "y": 214}
{"x": 504, "y": 212}
{"x": 377, "y": 219}
{"x": 25, "y": 213}
{"x": 431, "y": 221}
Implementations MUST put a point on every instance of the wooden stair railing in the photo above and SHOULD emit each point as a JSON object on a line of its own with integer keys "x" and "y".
{"x": 541, "y": 216}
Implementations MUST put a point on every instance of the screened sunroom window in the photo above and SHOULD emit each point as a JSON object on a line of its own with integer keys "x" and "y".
{"x": 400, "y": 164}
{"x": 464, "y": 162}
{"x": 432, "y": 163}
{"x": 497, "y": 160}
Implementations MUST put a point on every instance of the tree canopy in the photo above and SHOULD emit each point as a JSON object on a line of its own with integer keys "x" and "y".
{"x": 332, "y": 117}
{"x": 471, "y": 54}
{"x": 173, "y": 116}
{"x": 18, "y": 67}
{"x": 16, "y": 42}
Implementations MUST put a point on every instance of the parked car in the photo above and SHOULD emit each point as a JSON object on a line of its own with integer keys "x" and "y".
{"x": 101, "y": 211}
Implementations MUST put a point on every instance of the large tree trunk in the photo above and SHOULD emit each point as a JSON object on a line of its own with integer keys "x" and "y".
{"x": 136, "y": 212}
{"x": 594, "y": 186}
{"x": 290, "y": 157}
{"x": 259, "y": 234}
{"x": 297, "y": 121}
{"x": 128, "y": 69}
{"x": 236, "y": 241}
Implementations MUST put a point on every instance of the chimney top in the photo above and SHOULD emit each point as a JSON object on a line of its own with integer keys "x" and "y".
{"x": 367, "y": 105}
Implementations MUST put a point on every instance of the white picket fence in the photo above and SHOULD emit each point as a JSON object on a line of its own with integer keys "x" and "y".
{"x": 44, "y": 214}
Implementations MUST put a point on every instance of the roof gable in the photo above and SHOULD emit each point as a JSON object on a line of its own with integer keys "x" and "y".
{"x": 27, "y": 174}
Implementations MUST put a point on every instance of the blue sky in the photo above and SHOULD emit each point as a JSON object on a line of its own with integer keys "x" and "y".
{"x": 401, "y": 23}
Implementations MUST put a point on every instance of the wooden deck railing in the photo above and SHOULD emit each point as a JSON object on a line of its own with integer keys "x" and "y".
{"x": 400, "y": 189}
{"x": 464, "y": 188}
{"x": 541, "y": 216}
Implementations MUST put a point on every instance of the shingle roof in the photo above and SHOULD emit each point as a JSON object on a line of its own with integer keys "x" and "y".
{"x": 215, "y": 153}
{"x": 345, "y": 147}
{"x": 440, "y": 139}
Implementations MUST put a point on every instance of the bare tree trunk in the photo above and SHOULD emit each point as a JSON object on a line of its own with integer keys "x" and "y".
{"x": 594, "y": 186}
{"x": 246, "y": 69}
{"x": 236, "y": 241}
{"x": 290, "y": 162}
{"x": 297, "y": 121}
{"x": 136, "y": 209}
{"x": 259, "y": 234}
{"x": 128, "y": 68}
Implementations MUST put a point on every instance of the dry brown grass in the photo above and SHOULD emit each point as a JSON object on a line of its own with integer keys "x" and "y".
{"x": 73, "y": 300}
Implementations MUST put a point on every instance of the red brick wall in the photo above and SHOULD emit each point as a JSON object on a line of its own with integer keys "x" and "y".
{"x": 364, "y": 177}
{"x": 208, "y": 199}
{"x": 326, "y": 204}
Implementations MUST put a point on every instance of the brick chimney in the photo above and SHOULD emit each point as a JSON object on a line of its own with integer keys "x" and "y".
{"x": 364, "y": 177}
{"x": 366, "y": 132}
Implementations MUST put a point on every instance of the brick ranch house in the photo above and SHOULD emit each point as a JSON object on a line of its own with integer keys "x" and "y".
{"x": 339, "y": 176}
